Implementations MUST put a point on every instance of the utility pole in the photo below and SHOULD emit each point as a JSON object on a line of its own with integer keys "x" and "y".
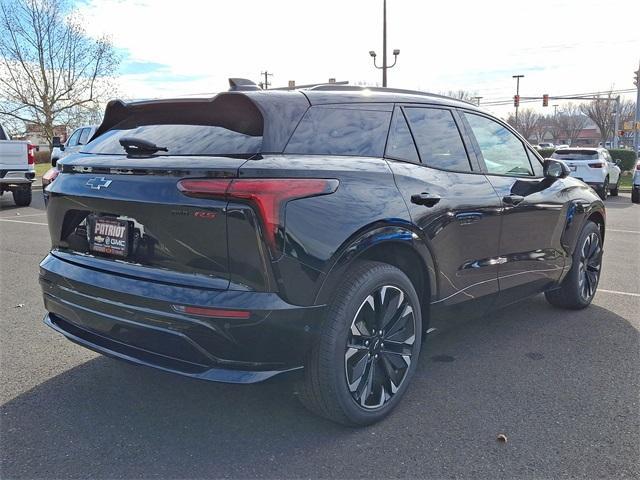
{"x": 477, "y": 99}
{"x": 396, "y": 52}
{"x": 266, "y": 84}
{"x": 517, "y": 77}
{"x": 636, "y": 126}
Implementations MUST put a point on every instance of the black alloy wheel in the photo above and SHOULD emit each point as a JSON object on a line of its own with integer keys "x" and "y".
{"x": 368, "y": 347}
{"x": 590, "y": 260}
{"x": 379, "y": 349}
{"x": 579, "y": 286}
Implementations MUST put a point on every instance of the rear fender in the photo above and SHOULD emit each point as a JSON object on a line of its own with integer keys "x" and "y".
{"x": 361, "y": 243}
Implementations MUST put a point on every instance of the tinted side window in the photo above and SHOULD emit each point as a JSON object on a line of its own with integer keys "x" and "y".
{"x": 84, "y": 136}
{"x": 336, "y": 131}
{"x": 73, "y": 140}
{"x": 2, "y": 135}
{"x": 503, "y": 152}
{"x": 538, "y": 169}
{"x": 438, "y": 139}
{"x": 400, "y": 144}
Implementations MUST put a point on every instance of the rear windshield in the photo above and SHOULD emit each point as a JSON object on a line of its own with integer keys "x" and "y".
{"x": 341, "y": 131}
{"x": 575, "y": 155}
{"x": 180, "y": 140}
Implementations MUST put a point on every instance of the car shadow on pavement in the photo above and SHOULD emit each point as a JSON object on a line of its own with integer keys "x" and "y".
{"x": 532, "y": 372}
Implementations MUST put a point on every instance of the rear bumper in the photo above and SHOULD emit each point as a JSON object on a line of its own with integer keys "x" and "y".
{"x": 135, "y": 320}
{"x": 17, "y": 177}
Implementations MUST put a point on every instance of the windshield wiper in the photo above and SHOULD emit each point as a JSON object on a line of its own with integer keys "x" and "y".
{"x": 139, "y": 146}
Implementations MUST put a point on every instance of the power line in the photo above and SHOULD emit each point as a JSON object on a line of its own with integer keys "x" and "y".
{"x": 508, "y": 101}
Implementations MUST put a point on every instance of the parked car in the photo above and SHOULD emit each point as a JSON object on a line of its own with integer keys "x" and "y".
{"x": 594, "y": 166}
{"x": 559, "y": 147}
{"x": 17, "y": 168}
{"x": 74, "y": 143}
{"x": 545, "y": 145}
{"x": 635, "y": 184}
{"x": 255, "y": 233}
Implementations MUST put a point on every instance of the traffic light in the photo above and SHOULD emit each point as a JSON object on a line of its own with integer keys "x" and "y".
{"x": 545, "y": 100}
{"x": 516, "y": 100}
{"x": 621, "y": 132}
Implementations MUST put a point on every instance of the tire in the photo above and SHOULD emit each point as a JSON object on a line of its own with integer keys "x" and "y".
{"x": 347, "y": 346}
{"x": 579, "y": 286}
{"x": 22, "y": 197}
{"x": 635, "y": 195}
{"x": 614, "y": 191}
{"x": 603, "y": 192}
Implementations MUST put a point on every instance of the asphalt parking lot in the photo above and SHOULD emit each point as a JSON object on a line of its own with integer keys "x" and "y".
{"x": 564, "y": 387}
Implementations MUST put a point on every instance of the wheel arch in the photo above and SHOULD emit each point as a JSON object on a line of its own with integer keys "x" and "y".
{"x": 395, "y": 245}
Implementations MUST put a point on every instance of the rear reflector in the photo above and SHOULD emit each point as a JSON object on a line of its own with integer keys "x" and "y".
{"x": 267, "y": 195}
{"x": 212, "y": 312}
{"x": 596, "y": 165}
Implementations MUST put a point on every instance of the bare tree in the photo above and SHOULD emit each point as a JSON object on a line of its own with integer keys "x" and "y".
{"x": 528, "y": 121}
{"x": 544, "y": 126}
{"x": 50, "y": 70}
{"x": 461, "y": 95}
{"x": 600, "y": 111}
{"x": 571, "y": 121}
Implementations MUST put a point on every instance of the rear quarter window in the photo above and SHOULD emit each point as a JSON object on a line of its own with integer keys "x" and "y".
{"x": 340, "y": 131}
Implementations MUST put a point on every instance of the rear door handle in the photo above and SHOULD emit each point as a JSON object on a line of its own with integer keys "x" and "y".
{"x": 425, "y": 199}
{"x": 512, "y": 199}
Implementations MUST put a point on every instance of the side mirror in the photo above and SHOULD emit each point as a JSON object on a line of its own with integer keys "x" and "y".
{"x": 553, "y": 168}
{"x": 617, "y": 161}
{"x": 56, "y": 142}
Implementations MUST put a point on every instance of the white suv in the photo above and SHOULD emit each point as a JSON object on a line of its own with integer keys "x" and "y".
{"x": 76, "y": 140}
{"x": 594, "y": 167}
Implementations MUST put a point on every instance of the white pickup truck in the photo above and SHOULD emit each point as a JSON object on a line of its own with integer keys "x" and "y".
{"x": 17, "y": 168}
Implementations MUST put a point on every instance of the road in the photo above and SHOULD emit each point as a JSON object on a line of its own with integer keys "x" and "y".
{"x": 563, "y": 386}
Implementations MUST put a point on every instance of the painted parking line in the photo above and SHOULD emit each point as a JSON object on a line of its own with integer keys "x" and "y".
{"x": 21, "y": 221}
{"x": 22, "y": 216}
{"x": 616, "y": 292}
{"x": 622, "y": 231}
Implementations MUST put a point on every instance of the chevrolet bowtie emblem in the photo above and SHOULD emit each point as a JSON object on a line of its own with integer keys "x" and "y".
{"x": 98, "y": 183}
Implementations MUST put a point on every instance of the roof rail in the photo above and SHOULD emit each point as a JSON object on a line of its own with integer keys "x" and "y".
{"x": 237, "y": 84}
{"x": 356, "y": 88}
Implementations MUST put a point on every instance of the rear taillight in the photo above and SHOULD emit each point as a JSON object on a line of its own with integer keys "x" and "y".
{"x": 638, "y": 166}
{"x": 31, "y": 154}
{"x": 267, "y": 195}
{"x": 596, "y": 165}
{"x": 50, "y": 176}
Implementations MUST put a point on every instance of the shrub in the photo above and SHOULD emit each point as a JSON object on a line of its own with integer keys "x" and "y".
{"x": 627, "y": 157}
{"x": 43, "y": 157}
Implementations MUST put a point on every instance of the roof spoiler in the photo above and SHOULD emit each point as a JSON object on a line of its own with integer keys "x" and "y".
{"x": 239, "y": 84}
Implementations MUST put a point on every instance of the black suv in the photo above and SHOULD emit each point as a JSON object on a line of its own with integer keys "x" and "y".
{"x": 238, "y": 237}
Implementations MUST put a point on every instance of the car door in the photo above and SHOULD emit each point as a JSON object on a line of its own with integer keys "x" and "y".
{"x": 533, "y": 209}
{"x": 612, "y": 168}
{"x": 453, "y": 204}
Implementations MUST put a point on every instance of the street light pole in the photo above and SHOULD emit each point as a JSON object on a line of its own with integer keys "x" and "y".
{"x": 517, "y": 77}
{"x": 396, "y": 52}
{"x": 477, "y": 99}
{"x": 384, "y": 43}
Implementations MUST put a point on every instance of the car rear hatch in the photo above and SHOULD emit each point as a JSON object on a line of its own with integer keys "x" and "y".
{"x": 117, "y": 206}
{"x": 581, "y": 163}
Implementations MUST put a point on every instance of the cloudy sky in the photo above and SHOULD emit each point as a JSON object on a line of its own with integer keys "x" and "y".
{"x": 190, "y": 46}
